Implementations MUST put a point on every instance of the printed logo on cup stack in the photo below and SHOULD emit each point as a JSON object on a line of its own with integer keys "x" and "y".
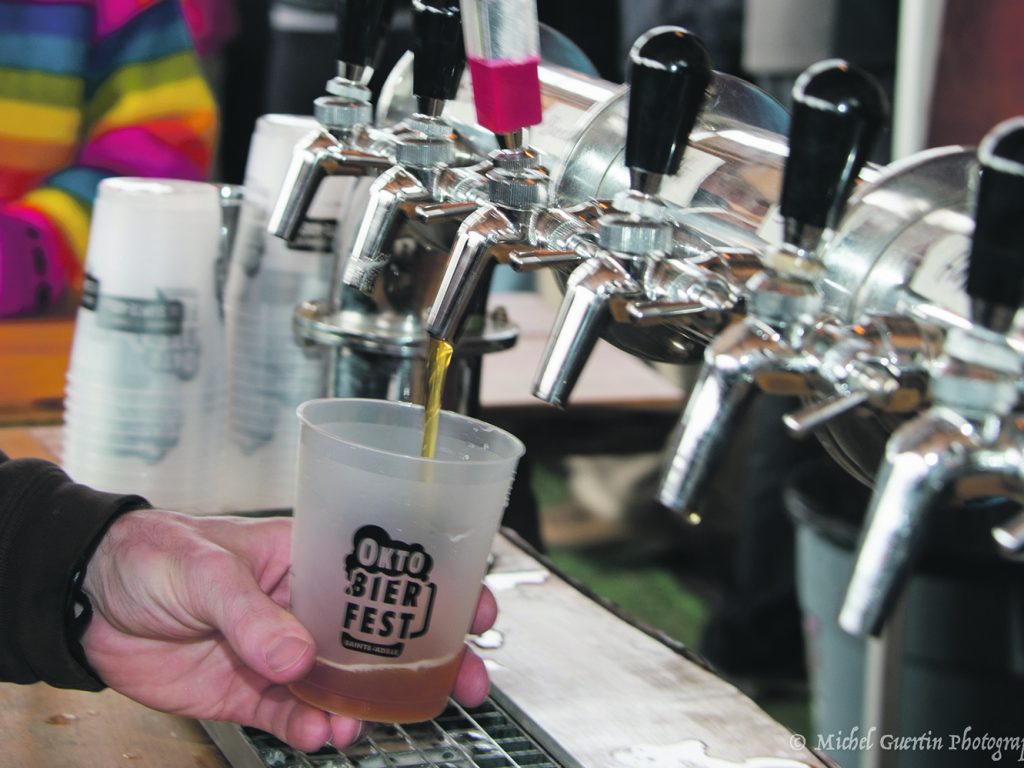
{"x": 390, "y": 593}
{"x": 162, "y": 330}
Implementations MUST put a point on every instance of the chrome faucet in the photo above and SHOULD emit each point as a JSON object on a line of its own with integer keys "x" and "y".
{"x": 782, "y": 343}
{"x": 346, "y": 144}
{"x": 973, "y": 430}
{"x": 424, "y": 149}
{"x": 512, "y": 186}
{"x": 633, "y": 274}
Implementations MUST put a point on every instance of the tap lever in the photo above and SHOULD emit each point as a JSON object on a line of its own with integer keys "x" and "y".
{"x": 540, "y": 258}
{"x": 669, "y": 74}
{"x": 656, "y": 312}
{"x": 995, "y": 275}
{"x": 838, "y": 112}
{"x": 444, "y": 211}
{"x": 819, "y": 413}
{"x": 362, "y": 26}
{"x": 439, "y": 54}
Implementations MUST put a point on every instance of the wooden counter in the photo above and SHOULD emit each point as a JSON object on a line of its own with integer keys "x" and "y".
{"x": 45, "y": 727}
{"x": 34, "y": 355}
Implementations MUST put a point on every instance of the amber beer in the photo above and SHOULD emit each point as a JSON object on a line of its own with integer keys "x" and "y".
{"x": 439, "y": 357}
{"x": 414, "y": 694}
{"x": 387, "y": 558}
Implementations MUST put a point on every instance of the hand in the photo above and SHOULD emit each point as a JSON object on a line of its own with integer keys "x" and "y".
{"x": 189, "y": 619}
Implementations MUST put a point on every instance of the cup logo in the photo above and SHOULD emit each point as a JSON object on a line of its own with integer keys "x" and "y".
{"x": 389, "y": 597}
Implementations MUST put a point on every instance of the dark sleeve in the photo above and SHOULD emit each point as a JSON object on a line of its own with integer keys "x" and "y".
{"x": 49, "y": 527}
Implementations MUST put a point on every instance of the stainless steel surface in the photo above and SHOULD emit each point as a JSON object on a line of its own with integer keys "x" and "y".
{"x": 478, "y": 737}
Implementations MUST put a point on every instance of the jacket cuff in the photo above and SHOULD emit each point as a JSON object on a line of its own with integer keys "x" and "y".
{"x": 62, "y": 525}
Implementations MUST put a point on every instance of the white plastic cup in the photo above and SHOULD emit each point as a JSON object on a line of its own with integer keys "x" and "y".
{"x": 149, "y": 333}
{"x": 389, "y": 549}
{"x": 154, "y": 235}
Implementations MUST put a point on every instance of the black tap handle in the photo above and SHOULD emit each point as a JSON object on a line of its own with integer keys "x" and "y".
{"x": 838, "y": 112}
{"x": 439, "y": 53}
{"x": 362, "y": 26}
{"x": 669, "y": 74}
{"x": 995, "y": 275}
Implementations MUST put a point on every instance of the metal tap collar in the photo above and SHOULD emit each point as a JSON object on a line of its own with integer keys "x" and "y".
{"x": 641, "y": 204}
{"x": 348, "y": 88}
{"x": 982, "y": 347}
{"x": 794, "y": 262}
{"x": 635, "y": 235}
{"x": 781, "y": 300}
{"x": 961, "y": 389}
{"x": 335, "y": 112}
{"x": 418, "y": 151}
{"x": 978, "y": 373}
{"x": 517, "y": 190}
{"x": 431, "y": 127}
{"x": 515, "y": 160}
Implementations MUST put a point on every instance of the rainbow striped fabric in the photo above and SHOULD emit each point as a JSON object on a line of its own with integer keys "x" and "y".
{"x": 90, "y": 89}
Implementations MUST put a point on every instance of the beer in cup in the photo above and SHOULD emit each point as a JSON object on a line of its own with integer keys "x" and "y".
{"x": 389, "y": 550}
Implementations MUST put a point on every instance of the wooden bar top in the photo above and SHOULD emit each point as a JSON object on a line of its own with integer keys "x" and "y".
{"x": 48, "y": 727}
{"x": 34, "y": 355}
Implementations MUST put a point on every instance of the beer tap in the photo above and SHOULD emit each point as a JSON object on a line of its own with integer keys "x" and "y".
{"x": 502, "y": 47}
{"x": 669, "y": 73}
{"x": 346, "y": 144}
{"x": 837, "y": 113}
{"x": 971, "y": 438}
{"x": 423, "y": 153}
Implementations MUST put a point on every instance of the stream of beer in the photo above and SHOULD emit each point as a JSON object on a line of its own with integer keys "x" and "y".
{"x": 439, "y": 355}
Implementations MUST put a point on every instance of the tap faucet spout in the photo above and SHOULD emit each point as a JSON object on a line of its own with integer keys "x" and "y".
{"x": 583, "y": 313}
{"x": 468, "y": 262}
{"x": 320, "y": 155}
{"x": 731, "y": 364}
{"x": 364, "y": 255}
{"x": 921, "y": 459}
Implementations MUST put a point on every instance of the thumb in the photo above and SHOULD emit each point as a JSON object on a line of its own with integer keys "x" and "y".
{"x": 265, "y": 636}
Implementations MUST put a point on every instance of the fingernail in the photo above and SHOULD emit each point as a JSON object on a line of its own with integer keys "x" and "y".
{"x": 285, "y": 652}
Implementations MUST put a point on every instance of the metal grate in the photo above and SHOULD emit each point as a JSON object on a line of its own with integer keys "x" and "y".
{"x": 481, "y": 737}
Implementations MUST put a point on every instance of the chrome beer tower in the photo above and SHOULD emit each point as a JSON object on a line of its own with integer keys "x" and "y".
{"x": 662, "y": 229}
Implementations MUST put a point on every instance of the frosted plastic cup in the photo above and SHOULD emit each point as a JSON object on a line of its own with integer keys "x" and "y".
{"x": 389, "y": 550}
{"x": 152, "y": 236}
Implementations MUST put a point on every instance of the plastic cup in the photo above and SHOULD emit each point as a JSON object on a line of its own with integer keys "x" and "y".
{"x": 389, "y": 549}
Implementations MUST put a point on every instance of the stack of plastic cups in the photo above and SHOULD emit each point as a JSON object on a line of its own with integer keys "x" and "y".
{"x": 145, "y": 385}
{"x": 269, "y": 371}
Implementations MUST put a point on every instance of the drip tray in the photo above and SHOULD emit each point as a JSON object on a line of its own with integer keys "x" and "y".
{"x": 481, "y": 737}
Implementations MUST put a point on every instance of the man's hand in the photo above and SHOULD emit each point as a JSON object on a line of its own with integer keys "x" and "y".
{"x": 190, "y": 619}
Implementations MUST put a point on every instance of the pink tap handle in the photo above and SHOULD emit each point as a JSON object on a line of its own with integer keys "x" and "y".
{"x": 503, "y": 51}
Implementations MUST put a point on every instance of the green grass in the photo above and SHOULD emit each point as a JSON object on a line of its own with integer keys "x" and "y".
{"x": 650, "y": 594}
